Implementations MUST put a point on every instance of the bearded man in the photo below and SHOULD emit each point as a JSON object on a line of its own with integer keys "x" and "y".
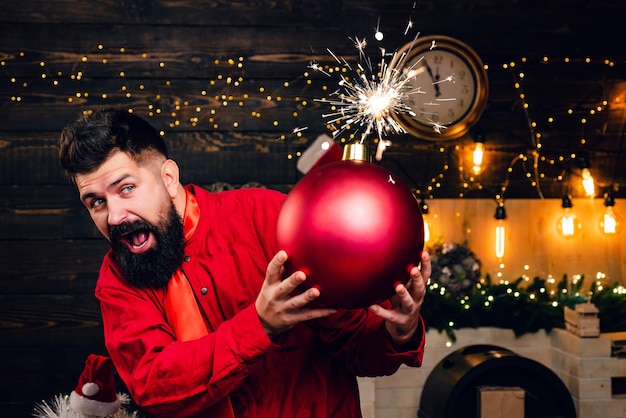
{"x": 198, "y": 317}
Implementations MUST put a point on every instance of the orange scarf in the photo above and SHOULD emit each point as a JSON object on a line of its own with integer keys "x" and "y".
{"x": 181, "y": 307}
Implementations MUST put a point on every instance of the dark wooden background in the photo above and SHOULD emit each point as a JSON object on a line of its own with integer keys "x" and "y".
{"x": 169, "y": 62}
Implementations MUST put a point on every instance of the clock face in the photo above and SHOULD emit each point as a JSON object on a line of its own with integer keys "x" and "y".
{"x": 446, "y": 87}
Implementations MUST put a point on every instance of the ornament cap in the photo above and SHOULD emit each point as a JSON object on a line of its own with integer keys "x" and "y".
{"x": 356, "y": 152}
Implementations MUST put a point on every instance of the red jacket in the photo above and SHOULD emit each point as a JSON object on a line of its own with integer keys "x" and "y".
{"x": 309, "y": 372}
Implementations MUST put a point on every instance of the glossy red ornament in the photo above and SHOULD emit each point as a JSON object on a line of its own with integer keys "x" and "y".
{"x": 354, "y": 229}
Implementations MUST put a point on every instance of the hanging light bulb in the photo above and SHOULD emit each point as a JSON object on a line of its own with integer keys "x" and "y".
{"x": 588, "y": 183}
{"x": 568, "y": 224}
{"x": 610, "y": 222}
{"x": 477, "y": 156}
{"x": 500, "y": 231}
{"x": 426, "y": 219}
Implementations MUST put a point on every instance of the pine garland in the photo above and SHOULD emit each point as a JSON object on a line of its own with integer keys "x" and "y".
{"x": 517, "y": 305}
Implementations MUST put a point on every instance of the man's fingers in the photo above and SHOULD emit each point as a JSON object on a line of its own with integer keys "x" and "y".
{"x": 275, "y": 267}
{"x": 426, "y": 267}
{"x": 287, "y": 286}
{"x": 283, "y": 288}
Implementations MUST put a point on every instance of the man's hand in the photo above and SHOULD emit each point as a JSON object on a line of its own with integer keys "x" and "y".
{"x": 278, "y": 306}
{"x": 402, "y": 320}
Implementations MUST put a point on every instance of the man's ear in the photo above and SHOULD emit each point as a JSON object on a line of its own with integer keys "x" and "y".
{"x": 170, "y": 176}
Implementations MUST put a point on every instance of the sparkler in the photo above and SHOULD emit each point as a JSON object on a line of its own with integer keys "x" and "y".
{"x": 371, "y": 93}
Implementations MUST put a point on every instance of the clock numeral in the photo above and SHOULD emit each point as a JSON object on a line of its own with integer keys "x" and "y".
{"x": 427, "y": 114}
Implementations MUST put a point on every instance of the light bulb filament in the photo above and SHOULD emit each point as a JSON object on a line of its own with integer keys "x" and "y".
{"x": 609, "y": 224}
{"x": 479, "y": 151}
{"x": 500, "y": 240}
{"x": 568, "y": 225}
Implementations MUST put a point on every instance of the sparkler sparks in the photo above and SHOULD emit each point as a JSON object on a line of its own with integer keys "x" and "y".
{"x": 298, "y": 129}
{"x": 438, "y": 127}
{"x": 409, "y": 26}
{"x": 360, "y": 45}
{"x": 368, "y": 101}
{"x": 378, "y": 34}
{"x": 371, "y": 94}
{"x": 315, "y": 66}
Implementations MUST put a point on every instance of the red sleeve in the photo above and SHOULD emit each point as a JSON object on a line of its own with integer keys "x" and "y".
{"x": 361, "y": 339}
{"x": 163, "y": 375}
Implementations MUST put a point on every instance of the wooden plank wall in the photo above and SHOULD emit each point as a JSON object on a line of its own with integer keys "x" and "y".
{"x": 236, "y": 66}
{"x": 170, "y": 54}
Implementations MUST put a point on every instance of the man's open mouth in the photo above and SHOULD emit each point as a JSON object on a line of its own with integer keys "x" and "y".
{"x": 138, "y": 241}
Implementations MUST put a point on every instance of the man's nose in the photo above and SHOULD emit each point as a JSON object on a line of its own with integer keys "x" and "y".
{"x": 117, "y": 213}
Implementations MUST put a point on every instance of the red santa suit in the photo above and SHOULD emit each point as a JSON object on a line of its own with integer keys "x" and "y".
{"x": 309, "y": 371}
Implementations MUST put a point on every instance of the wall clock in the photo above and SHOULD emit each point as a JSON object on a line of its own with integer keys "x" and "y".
{"x": 448, "y": 85}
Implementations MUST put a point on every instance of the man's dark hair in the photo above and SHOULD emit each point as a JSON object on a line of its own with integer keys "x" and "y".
{"x": 90, "y": 139}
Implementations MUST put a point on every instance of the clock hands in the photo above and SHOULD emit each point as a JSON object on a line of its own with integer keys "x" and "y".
{"x": 435, "y": 78}
{"x": 443, "y": 112}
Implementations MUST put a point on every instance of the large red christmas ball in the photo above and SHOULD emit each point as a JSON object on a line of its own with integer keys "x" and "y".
{"x": 354, "y": 229}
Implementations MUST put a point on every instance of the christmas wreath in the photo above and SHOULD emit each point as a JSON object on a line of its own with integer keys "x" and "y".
{"x": 455, "y": 268}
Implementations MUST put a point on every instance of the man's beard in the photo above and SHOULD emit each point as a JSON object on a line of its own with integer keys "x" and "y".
{"x": 154, "y": 267}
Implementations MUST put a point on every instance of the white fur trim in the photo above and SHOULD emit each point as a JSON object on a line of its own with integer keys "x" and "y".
{"x": 92, "y": 407}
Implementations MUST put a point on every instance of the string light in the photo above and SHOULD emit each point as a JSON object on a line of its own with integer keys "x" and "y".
{"x": 587, "y": 178}
{"x": 610, "y": 222}
{"x": 101, "y": 55}
{"x": 583, "y": 114}
{"x": 568, "y": 224}
{"x": 477, "y": 156}
{"x": 207, "y": 111}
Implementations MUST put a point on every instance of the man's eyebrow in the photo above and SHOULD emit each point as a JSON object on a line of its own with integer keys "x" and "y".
{"x": 89, "y": 195}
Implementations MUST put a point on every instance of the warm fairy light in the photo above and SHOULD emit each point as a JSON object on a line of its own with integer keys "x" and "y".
{"x": 378, "y": 106}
